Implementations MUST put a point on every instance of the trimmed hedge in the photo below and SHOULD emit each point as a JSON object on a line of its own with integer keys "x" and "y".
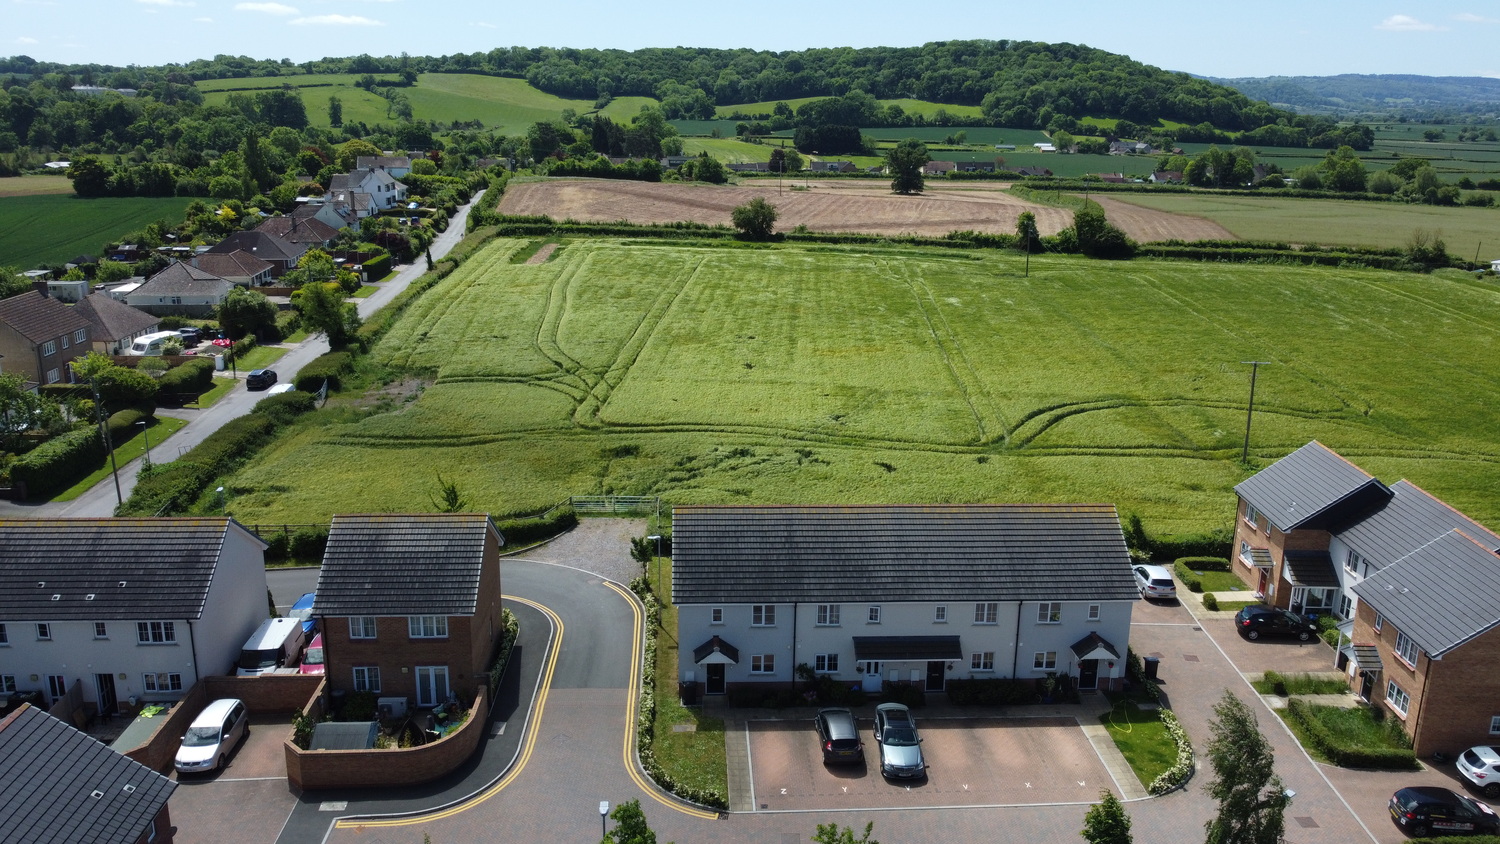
{"x": 59, "y": 463}
{"x": 1210, "y": 602}
{"x": 122, "y": 424}
{"x": 330, "y": 367}
{"x": 1205, "y": 563}
{"x": 283, "y": 407}
{"x": 1344, "y": 755}
{"x": 525, "y": 531}
{"x": 193, "y": 378}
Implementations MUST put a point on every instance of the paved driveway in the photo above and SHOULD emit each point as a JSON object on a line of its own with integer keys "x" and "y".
{"x": 248, "y": 801}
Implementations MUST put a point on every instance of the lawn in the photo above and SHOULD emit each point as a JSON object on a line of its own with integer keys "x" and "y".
{"x": 1142, "y": 739}
{"x": 35, "y": 185}
{"x": 1299, "y": 684}
{"x": 1332, "y": 221}
{"x": 827, "y": 374}
{"x": 1354, "y": 728}
{"x": 1221, "y": 581}
{"x": 259, "y": 357}
{"x": 220, "y": 388}
{"x": 53, "y": 228}
{"x": 161, "y": 428}
{"x": 693, "y": 757}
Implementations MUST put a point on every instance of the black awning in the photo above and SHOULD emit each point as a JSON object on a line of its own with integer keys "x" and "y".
{"x": 1091, "y": 643}
{"x": 716, "y": 650}
{"x": 883, "y": 648}
{"x": 1311, "y": 568}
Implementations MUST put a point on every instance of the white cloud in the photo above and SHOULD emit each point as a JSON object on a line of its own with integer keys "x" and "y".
{"x": 1407, "y": 23}
{"x": 485, "y": 25}
{"x": 268, "y": 8}
{"x": 26, "y": 39}
{"x": 203, "y": 20}
{"x": 167, "y": 2}
{"x": 1470, "y": 17}
{"x": 338, "y": 20}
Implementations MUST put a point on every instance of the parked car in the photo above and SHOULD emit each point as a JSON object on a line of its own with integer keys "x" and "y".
{"x": 191, "y": 336}
{"x": 260, "y": 379}
{"x": 840, "y": 737}
{"x": 1255, "y": 622}
{"x": 303, "y": 609}
{"x": 312, "y": 660}
{"x": 1481, "y": 767}
{"x": 1421, "y": 811}
{"x": 211, "y": 737}
{"x": 900, "y": 746}
{"x": 1155, "y": 582}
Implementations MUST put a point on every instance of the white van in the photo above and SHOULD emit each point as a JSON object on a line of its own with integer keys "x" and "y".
{"x": 150, "y": 344}
{"x": 276, "y": 642}
{"x": 213, "y": 734}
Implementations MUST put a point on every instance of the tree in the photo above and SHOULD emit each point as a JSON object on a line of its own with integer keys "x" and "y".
{"x": 630, "y": 825}
{"x": 245, "y": 312}
{"x": 1063, "y": 141}
{"x": 448, "y": 498}
{"x": 1097, "y": 237}
{"x": 90, "y": 177}
{"x": 335, "y": 112}
{"x": 905, "y": 162}
{"x": 324, "y": 311}
{"x": 641, "y": 550}
{"x": 1106, "y": 822}
{"x": 347, "y": 154}
{"x": 832, "y": 833}
{"x": 755, "y": 219}
{"x": 424, "y": 167}
{"x": 1252, "y": 798}
{"x": 1028, "y": 239}
{"x": 111, "y": 271}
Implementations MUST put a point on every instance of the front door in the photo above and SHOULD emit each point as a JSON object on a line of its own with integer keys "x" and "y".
{"x": 715, "y": 683}
{"x": 432, "y": 685}
{"x": 57, "y": 686}
{"x": 935, "y": 675}
{"x": 1088, "y": 674}
{"x": 104, "y": 684}
{"x": 1366, "y": 684}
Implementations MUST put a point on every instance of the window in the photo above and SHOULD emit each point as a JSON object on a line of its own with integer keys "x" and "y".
{"x": 1379, "y": 622}
{"x": 982, "y": 661}
{"x": 1094, "y": 612}
{"x": 65, "y": 341}
{"x": 81, "y": 335}
{"x": 828, "y": 615}
{"x": 7, "y": 684}
{"x": 168, "y": 682}
{"x": 1397, "y": 697}
{"x": 44, "y": 632}
{"x": 427, "y": 626}
{"x": 101, "y": 630}
{"x": 940, "y": 614}
{"x": 1252, "y": 515}
{"x": 53, "y": 376}
{"x": 987, "y": 613}
{"x": 1353, "y": 561}
{"x": 763, "y": 664}
{"x": 762, "y": 615}
{"x": 1044, "y": 661}
{"x": 362, "y": 627}
{"x": 826, "y": 662}
{"x": 1346, "y": 607}
{"x": 1406, "y": 649}
{"x": 1049, "y": 612}
{"x": 1494, "y": 724}
{"x": 716, "y": 615}
{"x": 1245, "y": 552}
{"x": 367, "y": 678}
{"x": 155, "y": 632}
{"x": 4, "y": 637}
{"x": 49, "y": 348}
{"x": 873, "y": 616}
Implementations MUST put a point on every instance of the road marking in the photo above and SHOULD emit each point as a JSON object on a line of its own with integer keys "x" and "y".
{"x": 783, "y": 792}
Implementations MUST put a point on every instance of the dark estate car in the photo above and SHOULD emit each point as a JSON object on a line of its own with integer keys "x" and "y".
{"x": 900, "y": 748}
{"x": 840, "y": 738}
{"x": 260, "y": 379}
{"x": 1421, "y": 811}
{"x": 1255, "y": 622}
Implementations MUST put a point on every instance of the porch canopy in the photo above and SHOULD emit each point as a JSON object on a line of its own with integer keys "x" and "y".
{"x": 906, "y": 648}
{"x": 1311, "y": 568}
{"x": 716, "y": 651}
{"x": 1094, "y": 646}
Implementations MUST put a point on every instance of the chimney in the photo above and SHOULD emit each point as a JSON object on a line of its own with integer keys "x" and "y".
{"x": 40, "y": 286}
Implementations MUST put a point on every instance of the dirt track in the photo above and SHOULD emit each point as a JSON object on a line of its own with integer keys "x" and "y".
{"x": 863, "y": 207}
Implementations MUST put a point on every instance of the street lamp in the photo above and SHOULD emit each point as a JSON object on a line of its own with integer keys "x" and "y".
{"x": 222, "y": 508}
{"x": 603, "y": 813}
{"x": 146, "y": 432}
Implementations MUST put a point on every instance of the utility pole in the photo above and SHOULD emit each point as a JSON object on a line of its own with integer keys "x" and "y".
{"x": 1250, "y": 408}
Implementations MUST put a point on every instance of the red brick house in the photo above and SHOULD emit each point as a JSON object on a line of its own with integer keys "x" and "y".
{"x": 40, "y": 337}
{"x": 409, "y": 604}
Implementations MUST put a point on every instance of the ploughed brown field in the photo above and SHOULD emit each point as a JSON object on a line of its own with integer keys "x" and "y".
{"x": 860, "y": 207}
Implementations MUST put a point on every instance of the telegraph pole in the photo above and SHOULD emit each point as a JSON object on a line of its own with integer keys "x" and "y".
{"x": 1255, "y": 366}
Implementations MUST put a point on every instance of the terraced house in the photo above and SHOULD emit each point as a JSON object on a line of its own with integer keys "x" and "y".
{"x": 1415, "y": 582}
{"x": 906, "y": 594}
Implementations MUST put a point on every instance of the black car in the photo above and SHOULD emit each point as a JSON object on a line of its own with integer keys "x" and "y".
{"x": 839, "y": 737}
{"x": 1255, "y": 622}
{"x": 260, "y": 379}
{"x": 1421, "y": 811}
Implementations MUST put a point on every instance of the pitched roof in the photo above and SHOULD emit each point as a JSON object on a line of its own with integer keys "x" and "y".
{"x": 235, "y": 264}
{"x": 39, "y": 318}
{"x": 1410, "y": 519}
{"x": 398, "y": 161}
{"x": 261, "y": 245}
{"x": 1299, "y": 488}
{"x": 298, "y": 229}
{"x": 403, "y": 564}
{"x": 103, "y": 569}
{"x": 183, "y": 279}
{"x": 1441, "y": 595}
{"x": 899, "y": 553}
{"x": 58, "y": 784}
{"x": 113, "y": 319}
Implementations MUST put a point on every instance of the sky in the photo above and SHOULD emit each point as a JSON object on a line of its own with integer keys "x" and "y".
{"x": 1265, "y": 38}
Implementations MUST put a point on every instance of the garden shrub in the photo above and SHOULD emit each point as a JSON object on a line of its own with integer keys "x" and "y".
{"x": 525, "y": 531}
{"x": 122, "y": 425}
{"x": 1214, "y": 543}
{"x": 1210, "y": 603}
{"x": 330, "y": 367}
{"x": 1347, "y": 755}
{"x": 1177, "y": 775}
{"x": 910, "y": 694}
{"x": 308, "y": 542}
{"x": 59, "y": 463}
{"x": 1188, "y": 577}
{"x": 193, "y": 378}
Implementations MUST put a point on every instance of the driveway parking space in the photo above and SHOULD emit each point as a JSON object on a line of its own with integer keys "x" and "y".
{"x": 1288, "y": 656}
{"x": 1369, "y": 791}
{"x": 1160, "y": 612}
{"x": 971, "y": 762}
{"x": 248, "y": 801}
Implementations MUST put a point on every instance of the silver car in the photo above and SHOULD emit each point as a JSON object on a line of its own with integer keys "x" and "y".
{"x": 1155, "y": 582}
{"x": 213, "y": 734}
{"x": 900, "y": 747}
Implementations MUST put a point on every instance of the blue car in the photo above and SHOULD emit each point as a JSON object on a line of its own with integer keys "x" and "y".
{"x": 303, "y": 610}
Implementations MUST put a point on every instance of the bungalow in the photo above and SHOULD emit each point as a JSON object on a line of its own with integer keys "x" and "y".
{"x": 901, "y": 594}
{"x": 1040, "y": 147}
{"x": 180, "y": 289}
{"x": 833, "y": 167}
{"x": 62, "y": 785}
{"x": 936, "y": 168}
{"x": 976, "y": 166}
{"x": 282, "y": 255}
{"x": 1166, "y": 177}
{"x": 309, "y": 233}
{"x": 1112, "y": 178}
{"x": 132, "y": 609}
{"x": 40, "y": 336}
{"x": 1034, "y": 172}
{"x": 237, "y": 267}
{"x": 115, "y": 324}
{"x": 1315, "y": 533}
{"x": 748, "y": 166}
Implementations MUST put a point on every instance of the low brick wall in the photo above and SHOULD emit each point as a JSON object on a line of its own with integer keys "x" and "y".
{"x": 158, "y": 751}
{"x": 315, "y": 769}
{"x": 268, "y": 692}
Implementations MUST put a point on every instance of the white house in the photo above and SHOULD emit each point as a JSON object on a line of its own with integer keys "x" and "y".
{"x": 918, "y": 594}
{"x": 382, "y": 187}
{"x": 180, "y": 289}
{"x": 136, "y": 609}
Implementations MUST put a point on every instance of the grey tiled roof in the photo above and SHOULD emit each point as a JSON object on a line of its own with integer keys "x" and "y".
{"x": 51, "y": 775}
{"x": 899, "y": 553}
{"x": 1367, "y": 657}
{"x": 1304, "y": 485}
{"x": 40, "y": 318}
{"x": 113, "y": 319}
{"x": 403, "y": 564}
{"x": 1311, "y": 568}
{"x": 183, "y": 279}
{"x": 1412, "y": 518}
{"x": 1441, "y": 595}
{"x": 882, "y": 648}
{"x": 262, "y": 246}
{"x": 1088, "y": 643}
{"x": 103, "y": 569}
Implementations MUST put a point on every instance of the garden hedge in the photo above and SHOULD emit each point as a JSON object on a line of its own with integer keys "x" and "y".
{"x": 59, "y": 463}
{"x": 1346, "y": 755}
{"x": 193, "y": 378}
{"x": 330, "y": 367}
{"x": 990, "y": 691}
{"x": 524, "y": 531}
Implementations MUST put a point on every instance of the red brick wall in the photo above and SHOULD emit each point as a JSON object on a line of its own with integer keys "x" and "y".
{"x": 1279, "y": 543}
{"x": 158, "y": 751}
{"x": 266, "y": 693}
{"x": 1460, "y": 693}
{"x": 397, "y": 655}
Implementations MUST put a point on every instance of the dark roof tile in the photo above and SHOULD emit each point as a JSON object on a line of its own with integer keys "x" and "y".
{"x": 403, "y": 564}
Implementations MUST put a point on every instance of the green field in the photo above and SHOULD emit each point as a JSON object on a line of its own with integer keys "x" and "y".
{"x": 54, "y": 228}
{"x": 33, "y": 185}
{"x": 727, "y": 150}
{"x": 714, "y": 374}
{"x": 1335, "y": 222}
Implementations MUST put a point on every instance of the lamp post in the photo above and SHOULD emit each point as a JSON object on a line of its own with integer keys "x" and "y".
{"x": 603, "y": 813}
{"x": 223, "y": 508}
{"x": 146, "y": 432}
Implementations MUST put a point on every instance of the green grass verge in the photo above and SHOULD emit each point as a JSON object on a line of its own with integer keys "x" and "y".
{"x": 364, "y": 292}
{"x": 1298, "y": 684}
{"x": 1142, "y": 739}
{"x": 1236, "y": 606}
{"x": 695, "y": 758}
{"x": 161, "y": 428}
{"x": 221, "y": 387}
{"x": 1222, "y": 581}
{"x": 260, "y": 357}
{"x": 53, "y": 228}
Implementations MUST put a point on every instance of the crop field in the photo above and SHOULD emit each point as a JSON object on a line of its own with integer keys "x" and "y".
{"x": 1332, "y": 221}
{"x": 728, "y": 150}
{"x": 52, "y": 228}
{"x": 34, "y": 185}
{"x": 787, "y": 374}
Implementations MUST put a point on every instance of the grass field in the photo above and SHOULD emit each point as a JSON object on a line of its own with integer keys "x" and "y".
{"x": 52, "y": 228}
{"x": 35, "y": 185}
{"x": 1334, "y": 222}
{"x": 711, "y": 374}
{"x": 727, "y": 150}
